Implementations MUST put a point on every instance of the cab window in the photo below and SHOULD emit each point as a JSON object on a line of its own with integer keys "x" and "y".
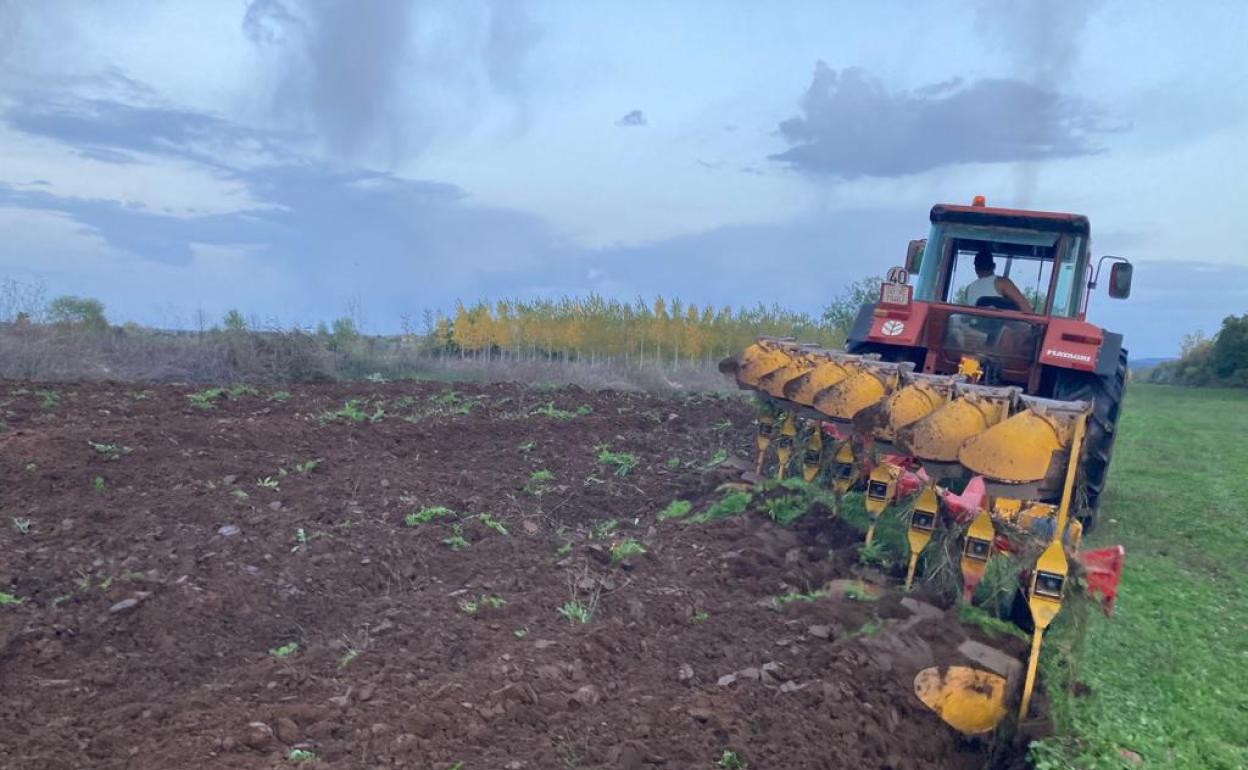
{"x": 1026, "y": 257}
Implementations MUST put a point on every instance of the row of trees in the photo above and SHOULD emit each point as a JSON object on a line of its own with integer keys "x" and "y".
{"x": 664, "y": 331}
{"x": 595, "y": 328}
{"x": 1220, "y": 360}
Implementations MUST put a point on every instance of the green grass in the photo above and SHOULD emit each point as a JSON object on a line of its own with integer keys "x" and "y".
{"x": 285, "y": 651}
{"x": 676, "y": 509}
{"x": 489, "y": 521}
{"x": 621, "y": 462}
{"x": 605, "y": 529}
{"x": 427, "y": 514}
{"x": 988, "y": 623}
{"x": 550, "y": 410}
{"x": 206, "y": 399}
{"x": 731, "y": 504}
{"x": 1166, "y": 672}
{"x": 730, "y": 760}
{"x": 575, "y": 612}
{"x": 795, "y": 596}
{"x": 626, "y": 548}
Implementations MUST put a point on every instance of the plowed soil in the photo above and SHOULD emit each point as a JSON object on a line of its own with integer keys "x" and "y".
{"x": 192, "y": 592}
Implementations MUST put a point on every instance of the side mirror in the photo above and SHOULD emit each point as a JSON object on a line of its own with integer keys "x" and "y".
{"x": 914, "y": 255}
{"x": 1120, "y": 280}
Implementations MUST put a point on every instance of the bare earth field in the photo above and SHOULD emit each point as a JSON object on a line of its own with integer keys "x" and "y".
{"x": 218, "y": 585}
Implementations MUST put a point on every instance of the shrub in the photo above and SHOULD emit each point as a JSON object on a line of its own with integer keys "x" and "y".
{"x": 82, "y": 312}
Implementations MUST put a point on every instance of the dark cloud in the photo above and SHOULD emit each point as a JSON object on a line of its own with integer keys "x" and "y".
{"x": 1042, "y": 41}
{"x": 631, "y": 119}
{"x": 361, "y": 77}
{"x": 511, "y": 34}
{"x": 340, "y": 65}
{"x": 110, "y": 130}
{"x": 852, "y": 126}
{"x": 105, "y": 155}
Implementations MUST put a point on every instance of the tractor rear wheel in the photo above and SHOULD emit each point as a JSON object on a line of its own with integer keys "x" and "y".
{"x": 1105, "y": 394}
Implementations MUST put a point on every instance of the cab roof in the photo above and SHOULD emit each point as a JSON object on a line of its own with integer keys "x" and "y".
{"x": 1027, "y": 220}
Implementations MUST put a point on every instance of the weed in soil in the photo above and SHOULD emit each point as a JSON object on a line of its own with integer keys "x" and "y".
{"x": 626, "y": 548}
{"x": 285, "y": 651}
{"x": 677, "y": 509}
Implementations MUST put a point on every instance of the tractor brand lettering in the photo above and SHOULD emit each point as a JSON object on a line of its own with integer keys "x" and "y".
{"x": 892, "y": 328}
{"x": 896, "y": 294}
{"x": 1067, "y": 354}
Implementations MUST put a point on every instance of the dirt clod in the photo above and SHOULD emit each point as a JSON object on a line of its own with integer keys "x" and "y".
{"x": 258, "y": 736}
{"x": 286, "y": 729}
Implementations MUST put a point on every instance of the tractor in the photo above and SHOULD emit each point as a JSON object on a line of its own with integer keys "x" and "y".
{"x": 980, "y": 407}
{"x": 1048, "y": 349}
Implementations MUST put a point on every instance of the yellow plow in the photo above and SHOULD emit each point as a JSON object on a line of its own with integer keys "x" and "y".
{"x": 906, "y": 434}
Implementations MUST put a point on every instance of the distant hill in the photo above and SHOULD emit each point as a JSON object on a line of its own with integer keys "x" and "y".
{"x": 1144, "y": 369}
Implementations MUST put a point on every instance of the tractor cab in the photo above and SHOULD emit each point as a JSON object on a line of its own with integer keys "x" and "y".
{"x": 1045, "y": 255}
{"x": 1002, "y": 290}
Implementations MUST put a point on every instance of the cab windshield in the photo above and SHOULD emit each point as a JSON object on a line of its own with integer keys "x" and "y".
{"x": 1027, "y": 258}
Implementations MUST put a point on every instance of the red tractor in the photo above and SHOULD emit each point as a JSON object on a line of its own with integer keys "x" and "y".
{"x": 1028, "y": 330}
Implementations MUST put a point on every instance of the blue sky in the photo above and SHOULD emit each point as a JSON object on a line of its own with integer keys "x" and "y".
{"x": 298, "y": 160}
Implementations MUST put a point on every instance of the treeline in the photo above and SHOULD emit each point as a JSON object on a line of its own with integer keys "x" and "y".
{"x": 1221, "y": 360}
{"x": 594, "y": 328}
{"x": 71, "y": 337}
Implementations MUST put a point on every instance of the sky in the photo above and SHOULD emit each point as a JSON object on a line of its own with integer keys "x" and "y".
{"x": 301, "y": 160}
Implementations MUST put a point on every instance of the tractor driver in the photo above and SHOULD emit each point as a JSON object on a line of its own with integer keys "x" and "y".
{"x": 998, "y": 291}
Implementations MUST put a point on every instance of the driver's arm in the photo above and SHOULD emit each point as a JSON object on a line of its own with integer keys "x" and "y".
{"x": 1008, "y": 290}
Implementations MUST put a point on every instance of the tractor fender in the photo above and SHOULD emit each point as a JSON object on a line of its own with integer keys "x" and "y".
{"x": 1107, "y": 358}
{"x": 1073, "y": 344}
{"x": 862, "y": 325}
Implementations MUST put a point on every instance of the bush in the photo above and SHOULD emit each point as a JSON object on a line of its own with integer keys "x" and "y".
{"x": 1230, "y": 350}
{"x": 344, "y": 334}
{"x": 841, "y": 311}
{"x": 82, "y": 312}
{"x": 1221, "y": 361}
{"x": 234, "y": 322}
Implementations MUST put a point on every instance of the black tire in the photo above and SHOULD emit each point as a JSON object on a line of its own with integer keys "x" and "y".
{"x": 1105, "y": 394}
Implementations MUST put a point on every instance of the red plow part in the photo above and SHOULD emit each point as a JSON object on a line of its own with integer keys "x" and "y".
{"x": 831, "y": 431}
{"x": 963, "y": 507}
{"x": 1102, "y": 569}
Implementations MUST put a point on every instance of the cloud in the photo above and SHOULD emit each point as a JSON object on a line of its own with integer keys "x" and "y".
{"x": 111, "y": 129}
{"x": 852, "y": 126}
{"x": 368, "y": 78}
{"x": 319, "y": 233}
{"x": 630, "y": 119}
{"x": 1042, "y": 39}
{"x": 321, "y": 230}
{"x": 304, "y": 235}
